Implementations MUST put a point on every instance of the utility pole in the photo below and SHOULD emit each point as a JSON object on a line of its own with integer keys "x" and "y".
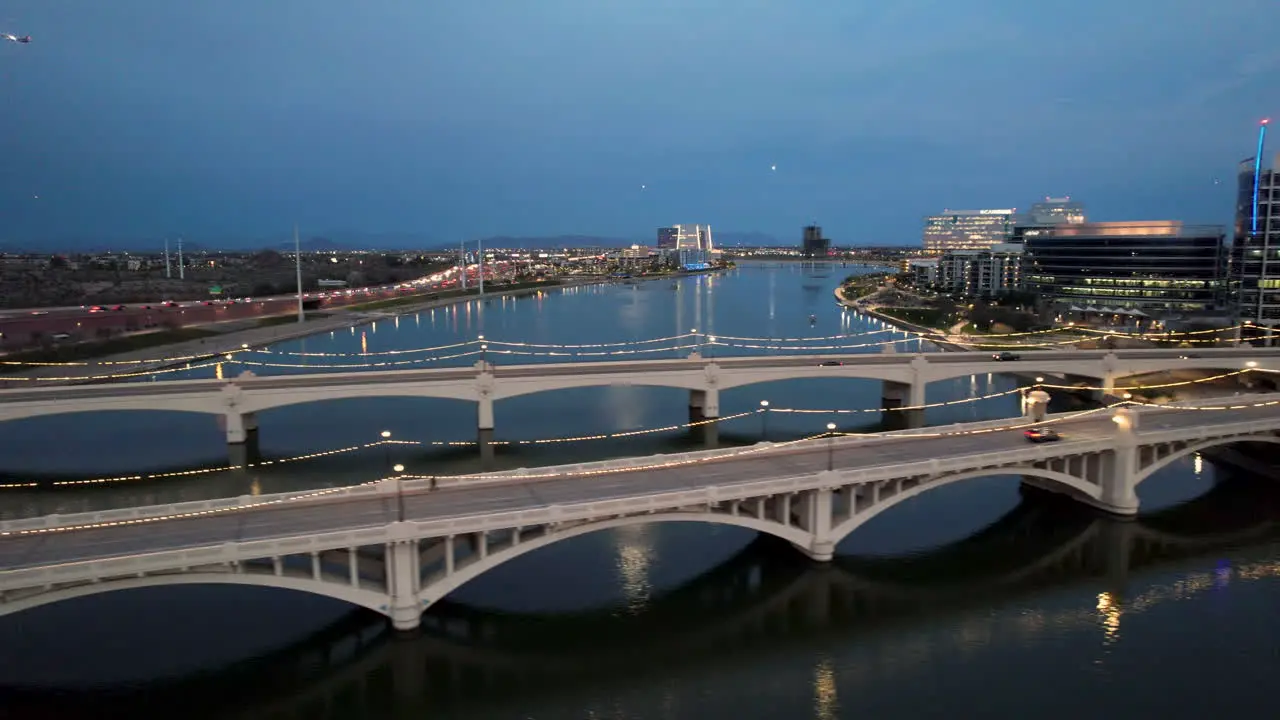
{"x": 168, "y": 269}
{"x": 480, "y": 259}
{"x": 462, "y": 264}
{"x": 182, "y": 270}
{"x": 297, "y": 255}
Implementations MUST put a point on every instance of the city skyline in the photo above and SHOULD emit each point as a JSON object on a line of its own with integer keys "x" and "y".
{"x": 392, "y": 122}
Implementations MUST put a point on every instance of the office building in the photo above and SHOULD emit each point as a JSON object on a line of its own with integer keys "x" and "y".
{"x": 1055, "y": 211}
{"x": 985, "y": 273}
{"x": 1160, "y": 269}
{"x": 1255, "y": 250}
{"x": 691, "y": 244}
{"x": 967, "y": 229}
{"x": 813, "y": 244}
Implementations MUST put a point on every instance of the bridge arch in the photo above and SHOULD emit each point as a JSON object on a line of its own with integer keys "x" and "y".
{"x": 507, "y": 390}
{"x": 1164, "y": 462}
{"x": 842, "y": 530}
{"x": 375, "y": 601}
{"x": 256, "y": 402}
{"x": 27, "y": 411}
{"x": 440, "y": 588}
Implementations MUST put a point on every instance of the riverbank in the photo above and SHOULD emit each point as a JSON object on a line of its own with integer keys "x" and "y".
{"x": 1186, "y": 384}
{"x": 221, "y": 338}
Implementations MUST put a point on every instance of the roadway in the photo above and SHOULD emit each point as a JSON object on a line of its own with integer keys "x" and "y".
{"x": 341, "y": 514}
{"x": 323, "y": 379}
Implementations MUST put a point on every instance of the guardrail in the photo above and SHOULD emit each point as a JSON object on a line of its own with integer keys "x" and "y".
{"x": 222, "y": 552}
{"x": 200, "y": 507}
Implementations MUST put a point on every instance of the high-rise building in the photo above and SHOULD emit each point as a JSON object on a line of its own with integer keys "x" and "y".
{"x": 685, "y": 237}
{"x": 967, "y": 229}
{"x": 691, "y": 242}
{"x": 979, "y": 273}
{"x": 1160, "y": 268}
{"x": 1255, "y": 249}
{"x": 1056, "y": 211}
{"x": 813, "y": 244}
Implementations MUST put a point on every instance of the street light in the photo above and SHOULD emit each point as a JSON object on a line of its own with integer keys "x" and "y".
{"x": 386, "y": 436}
{"x": 399, "y": 492}
{"x": 484, "y": 348}
{"x": 831, "y": 446}
{"x": 764, "y": 419}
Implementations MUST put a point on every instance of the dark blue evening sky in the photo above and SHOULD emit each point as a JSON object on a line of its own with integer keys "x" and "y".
{"x": 232, "y": 119}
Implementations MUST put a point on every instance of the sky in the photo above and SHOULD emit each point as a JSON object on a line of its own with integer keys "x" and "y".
{"x": 143, "y": 119}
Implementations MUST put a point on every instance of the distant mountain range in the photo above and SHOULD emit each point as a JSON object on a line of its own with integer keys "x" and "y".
{"x": 347, "y": 241}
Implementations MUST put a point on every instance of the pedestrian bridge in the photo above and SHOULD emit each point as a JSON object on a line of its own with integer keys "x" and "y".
{"x": 905, "y": 377}
{"x": 398, "y": 545}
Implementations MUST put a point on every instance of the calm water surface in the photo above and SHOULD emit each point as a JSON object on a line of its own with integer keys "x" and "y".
{"x": 976, "y": 598}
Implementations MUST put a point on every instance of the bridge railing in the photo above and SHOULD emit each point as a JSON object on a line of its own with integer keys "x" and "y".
{"x": 223, "y": 552}
{"x": 188, "y": 557}
{"x": 229, "y": 551}
{"x": 208, "y": 507}
{"x": 192, "y": 509}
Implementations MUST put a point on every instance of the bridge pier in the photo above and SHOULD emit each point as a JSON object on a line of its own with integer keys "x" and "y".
{"x": 705, "y": 405}
{"x": 402, "y": 585}
{"x": 239, "y": 455}
{"x": 815, "y": 510}
{"x": 239, "y": 426}
{"x": 1120, "y": 468}
{"x": 896, "y": 395}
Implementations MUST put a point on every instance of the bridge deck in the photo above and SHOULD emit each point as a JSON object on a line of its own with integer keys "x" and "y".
{"x": 311, "y": 517}
{"x": 322, "y": 379}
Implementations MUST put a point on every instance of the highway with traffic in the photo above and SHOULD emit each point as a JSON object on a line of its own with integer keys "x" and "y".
{"x": 496, "y": 494}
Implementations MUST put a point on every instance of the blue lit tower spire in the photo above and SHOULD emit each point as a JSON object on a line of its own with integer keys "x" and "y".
{"x": 1257, "y": 169}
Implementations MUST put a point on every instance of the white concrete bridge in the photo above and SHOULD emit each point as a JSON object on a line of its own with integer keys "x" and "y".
{"x": 904, "y": 375}
{"x": 398, "y": 546}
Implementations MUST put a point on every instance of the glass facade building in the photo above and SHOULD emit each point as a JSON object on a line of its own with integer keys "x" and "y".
{"x": 967, "y": 230}
{"x": 1255, "y": 249}
{"x": 1163, "y": 268}
{"x": 1056, "y": 211}
{"x": 691, "y": 242}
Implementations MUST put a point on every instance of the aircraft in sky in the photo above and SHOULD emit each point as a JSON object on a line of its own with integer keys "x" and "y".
{"x": 14, "y": 38}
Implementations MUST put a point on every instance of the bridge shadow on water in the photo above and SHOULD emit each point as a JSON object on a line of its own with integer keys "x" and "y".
{"x": 764, "y": 601}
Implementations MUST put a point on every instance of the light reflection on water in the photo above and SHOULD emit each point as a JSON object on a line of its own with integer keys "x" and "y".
{"x": 632, "y": 568}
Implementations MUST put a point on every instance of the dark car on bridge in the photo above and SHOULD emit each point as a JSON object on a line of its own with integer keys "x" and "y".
{"x": 1039, "y": 435}
{"x": 1006, "y": 356}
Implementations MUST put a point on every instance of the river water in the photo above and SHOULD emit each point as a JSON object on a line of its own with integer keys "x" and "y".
{"x": 978, "y": 598}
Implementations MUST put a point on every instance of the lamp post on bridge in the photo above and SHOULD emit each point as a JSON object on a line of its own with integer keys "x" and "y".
{"x": 484, "y": 349}
{"x": 386, "y": 444}
{"x": 764, "y": 419}
{"x": 399, "y": 492}
{"x": 831, "y": 446}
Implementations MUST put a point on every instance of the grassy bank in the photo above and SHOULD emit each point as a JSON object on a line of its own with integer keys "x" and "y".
{"x": 932, "y": 318}
{"x": 90, "y": 350}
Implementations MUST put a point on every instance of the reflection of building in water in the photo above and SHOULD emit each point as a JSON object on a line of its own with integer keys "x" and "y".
{"x": 826, "y": 704}
{"x": 635, "y": 556}
{"x": 1109, "y": 610}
